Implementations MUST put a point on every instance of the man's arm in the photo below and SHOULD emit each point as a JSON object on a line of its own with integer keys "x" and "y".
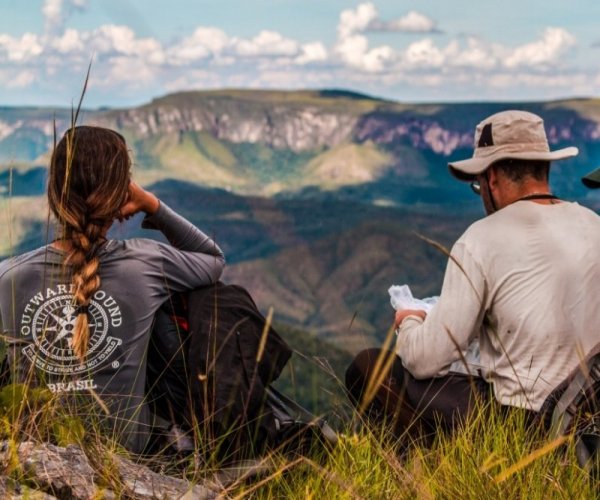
{"x": 428, "y": 344}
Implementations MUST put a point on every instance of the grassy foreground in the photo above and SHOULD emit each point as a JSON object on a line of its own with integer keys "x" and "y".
{"x": 493, "y": 456}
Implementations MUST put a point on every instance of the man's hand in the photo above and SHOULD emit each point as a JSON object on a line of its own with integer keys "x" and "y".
{"x": 138, "y": 200}
{"x": 400, "y": 315}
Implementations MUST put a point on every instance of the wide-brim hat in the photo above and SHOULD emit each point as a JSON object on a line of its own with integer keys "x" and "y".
{"x": 592, "y": 180}
{"x": 516, "y": 135}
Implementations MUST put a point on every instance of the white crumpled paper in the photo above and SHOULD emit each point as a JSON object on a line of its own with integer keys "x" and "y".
{"x": 401, "y": 298}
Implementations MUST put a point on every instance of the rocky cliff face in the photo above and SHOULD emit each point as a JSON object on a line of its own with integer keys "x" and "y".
{"x": 299, "y": 121}
{"x": 420, "y": 133}
{"x": 296, "y": 128}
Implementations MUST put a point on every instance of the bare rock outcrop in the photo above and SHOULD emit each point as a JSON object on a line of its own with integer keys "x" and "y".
{"x": 46, "y": 471}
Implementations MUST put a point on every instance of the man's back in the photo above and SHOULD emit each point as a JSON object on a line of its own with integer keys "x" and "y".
{"x": 542, "y": 267}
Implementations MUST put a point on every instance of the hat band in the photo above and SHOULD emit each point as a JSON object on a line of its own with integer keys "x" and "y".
{"x": 526, "y": 147}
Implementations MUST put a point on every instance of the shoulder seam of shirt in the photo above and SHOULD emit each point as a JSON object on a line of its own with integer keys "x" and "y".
{"x": 17, "y": 260}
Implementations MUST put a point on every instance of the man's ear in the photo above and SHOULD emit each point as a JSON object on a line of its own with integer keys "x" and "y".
{"x": 493, "y": 177}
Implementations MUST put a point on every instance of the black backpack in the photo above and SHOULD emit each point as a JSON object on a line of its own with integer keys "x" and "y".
{"x": 214, "y": 375}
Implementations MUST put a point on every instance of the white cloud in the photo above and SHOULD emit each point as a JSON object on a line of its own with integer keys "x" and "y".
{"x": 266, "y": 43}
{"x": 554, "y": 44}
{"x": 56, "y": 13}
{"x": 424, "y": 53}
{"x": 366, "y": 18}
{"x": 121, "y": 40}
{"x": 22, "y": 79}
{"x": 132, "y": 71}
{"x": 357, "y": 20}
{"x": 476, "y": 54}
{"x": 21, "y": 49}
{"x": 210, "y": 57}
{"x": 203, "y": 43}
{"x": 413, "y": 22}
{"x": 352, "y": 47}
{"x": 70, "y": 41}
{"x": 312, "y": 53}
{"x": 354, "y": 51}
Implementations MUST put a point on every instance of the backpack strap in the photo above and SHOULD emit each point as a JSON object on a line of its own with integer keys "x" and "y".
{"x": 288, "y": 411}
{"x": 567, "y": 406}
{"x": 582, "y": 389}
{"x": 578, "y": 384}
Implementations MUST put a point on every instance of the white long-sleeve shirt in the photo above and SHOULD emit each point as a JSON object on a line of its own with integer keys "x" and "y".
{"x": 526, "y": 280}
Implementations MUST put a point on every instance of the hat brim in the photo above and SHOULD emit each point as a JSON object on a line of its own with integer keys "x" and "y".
{"x": 592, "y": 180}
{"x": 467, "y": 170}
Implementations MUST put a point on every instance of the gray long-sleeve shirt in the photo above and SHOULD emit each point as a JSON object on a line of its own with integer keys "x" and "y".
{"x": 137, "y": 275}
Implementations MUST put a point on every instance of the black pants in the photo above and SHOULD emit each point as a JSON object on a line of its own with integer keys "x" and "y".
{"x": 384, "y": 391}
{"x": 167, "y": 382}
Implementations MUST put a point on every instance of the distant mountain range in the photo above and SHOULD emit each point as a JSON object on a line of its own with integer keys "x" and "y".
{"x": 315, "y": 195}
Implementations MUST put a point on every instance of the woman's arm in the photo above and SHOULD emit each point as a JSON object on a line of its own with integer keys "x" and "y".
{"x": 193, "y": 259}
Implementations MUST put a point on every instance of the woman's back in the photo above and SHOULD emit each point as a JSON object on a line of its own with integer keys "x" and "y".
{"x": 40, "y": 310}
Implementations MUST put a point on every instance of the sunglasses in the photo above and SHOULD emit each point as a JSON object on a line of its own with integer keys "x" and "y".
{"x": 476, "y": 187}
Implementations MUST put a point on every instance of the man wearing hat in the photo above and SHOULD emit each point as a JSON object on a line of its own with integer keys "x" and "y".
{"x": 523, "y": 281}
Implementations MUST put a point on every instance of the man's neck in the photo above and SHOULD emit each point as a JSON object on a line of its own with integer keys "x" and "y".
{"x": 512, "y": 192}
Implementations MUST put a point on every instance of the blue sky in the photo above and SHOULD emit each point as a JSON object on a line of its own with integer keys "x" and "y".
{"x": 430, "y": 50}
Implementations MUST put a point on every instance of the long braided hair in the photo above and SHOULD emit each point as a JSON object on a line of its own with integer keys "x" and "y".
{"x": 88, "y": 183}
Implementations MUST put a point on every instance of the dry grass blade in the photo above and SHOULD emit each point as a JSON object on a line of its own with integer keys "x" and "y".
{"x": 269, "y": 478}
{"x": 463, "y": 360}
{"x": 532, "y": 457}
{"x": 75, "y": 117}
{"x": 264, "y": 336}
{"x": 333, "y": 478}
{"x": 383, "y": 365}
{"x": 490, "y": 462}
{"x": 447, "y": 253}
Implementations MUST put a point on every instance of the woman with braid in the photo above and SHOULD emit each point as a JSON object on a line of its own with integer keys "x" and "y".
{"x": 78, "y": 312}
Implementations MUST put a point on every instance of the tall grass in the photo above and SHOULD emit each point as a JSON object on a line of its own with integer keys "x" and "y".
{"x": 494, "y": 455}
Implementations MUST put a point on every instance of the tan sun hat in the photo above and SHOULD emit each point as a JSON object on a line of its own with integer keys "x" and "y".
{"x": 512, "y": 134}
{"x": 592, "y": 180}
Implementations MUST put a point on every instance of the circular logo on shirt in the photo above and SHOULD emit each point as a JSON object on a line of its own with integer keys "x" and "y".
{"x": 51, "y": 318}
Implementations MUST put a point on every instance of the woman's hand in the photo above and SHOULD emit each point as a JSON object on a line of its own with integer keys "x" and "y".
{"x": 138, "y": 200}
{"x": 403, "y": 313}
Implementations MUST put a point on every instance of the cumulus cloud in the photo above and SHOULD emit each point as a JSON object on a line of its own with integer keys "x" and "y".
{"x": 266, "y": 43}
{"x": 205, "y": 42}
{"x": 56, "y": 13}
{"x": 365, "y": 18}
{"x": 352, "y": 46}
{"x": 111, "y": 39}
{"x": 69, "y": 42}
{"x": 413, "y": 22}
{"x": 311, "y": 53}
{"x": 554, "y": 44}
{"x": 208, "y": 56}
{"x": 356, "y": 20}
{"x": 425, "y": 53}
{"x": 23, "y": 49}
{"x": 214, "y": 46}
{"x": 354, "y": 51}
